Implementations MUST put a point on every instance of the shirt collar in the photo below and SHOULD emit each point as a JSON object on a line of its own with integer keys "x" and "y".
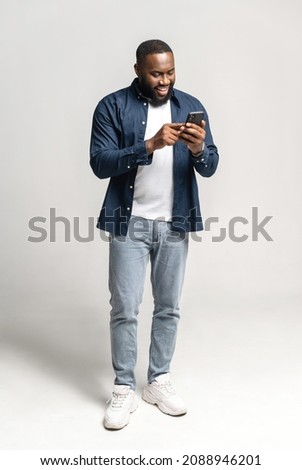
{"x": 135, "y": 88}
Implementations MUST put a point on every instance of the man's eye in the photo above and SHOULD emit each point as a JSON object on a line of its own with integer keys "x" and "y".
{"x": 155, "y": 74}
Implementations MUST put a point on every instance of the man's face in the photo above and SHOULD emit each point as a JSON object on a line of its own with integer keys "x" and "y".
{"x": 156, "y": 77}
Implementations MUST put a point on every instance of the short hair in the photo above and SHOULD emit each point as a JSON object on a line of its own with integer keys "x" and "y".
{"x": 152, "y": 46}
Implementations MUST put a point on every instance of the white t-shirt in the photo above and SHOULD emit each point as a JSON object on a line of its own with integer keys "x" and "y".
{"x": 153, "y": 187}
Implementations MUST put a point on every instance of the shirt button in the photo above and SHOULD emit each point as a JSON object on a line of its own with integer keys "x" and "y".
{"x": 128, "y": 208}
{"x": 145, "y": 104}
{"x": 202, "y": 159}
{"x": 131, "y": 187}
{"x": 206, "y": 166}
{"x": 128, "y": 166}
{"x": 143, "y": 122}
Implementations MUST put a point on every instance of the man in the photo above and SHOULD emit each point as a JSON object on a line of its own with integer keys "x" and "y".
{"x": 140, "y": 140}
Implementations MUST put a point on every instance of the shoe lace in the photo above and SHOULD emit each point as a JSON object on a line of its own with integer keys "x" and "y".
{"x": 118, "y": 399}
{"x": 167, "y": 387}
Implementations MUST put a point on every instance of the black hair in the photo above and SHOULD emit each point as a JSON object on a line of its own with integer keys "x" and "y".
{"x": 152, "y": 46}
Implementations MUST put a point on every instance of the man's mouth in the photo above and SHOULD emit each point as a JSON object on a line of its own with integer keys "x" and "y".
{"x": 162, "y": 90}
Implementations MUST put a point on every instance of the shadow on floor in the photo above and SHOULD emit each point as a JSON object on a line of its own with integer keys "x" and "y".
{"x": 72, "y": 346}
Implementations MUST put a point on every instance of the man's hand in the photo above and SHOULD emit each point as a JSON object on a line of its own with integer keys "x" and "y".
{"x": 167, "y": 135}
{"x": 193, "y": 136}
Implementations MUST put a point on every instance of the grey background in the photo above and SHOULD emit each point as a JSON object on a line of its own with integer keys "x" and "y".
{"x": 238, "y": 359}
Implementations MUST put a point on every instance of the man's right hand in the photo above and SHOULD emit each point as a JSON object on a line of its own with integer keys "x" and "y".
{"x": 167, "y": 135}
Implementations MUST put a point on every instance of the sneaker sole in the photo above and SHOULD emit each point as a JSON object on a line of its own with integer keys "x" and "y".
{"x": 146, "y": 396}
{"x": 117, "y": 426}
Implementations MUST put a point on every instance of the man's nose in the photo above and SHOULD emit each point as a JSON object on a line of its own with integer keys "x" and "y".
{"x": 165, "y": 80}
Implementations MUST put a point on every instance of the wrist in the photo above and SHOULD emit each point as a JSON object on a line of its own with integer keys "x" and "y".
{"x": 198, "y": 153}
{"x": 149, "y": 146}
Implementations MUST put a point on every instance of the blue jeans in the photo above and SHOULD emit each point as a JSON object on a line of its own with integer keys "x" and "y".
{"x": 129, "y": 255}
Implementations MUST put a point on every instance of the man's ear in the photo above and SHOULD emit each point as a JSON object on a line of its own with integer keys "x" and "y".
{"x": 137, "y": 69}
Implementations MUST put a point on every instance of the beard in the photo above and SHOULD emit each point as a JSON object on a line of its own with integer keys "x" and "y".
{"x": 150, "y": 94}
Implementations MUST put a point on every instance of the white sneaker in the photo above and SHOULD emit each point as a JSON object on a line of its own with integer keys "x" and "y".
{"x": 162, "y": 393}
{"x": 122, "y": 403}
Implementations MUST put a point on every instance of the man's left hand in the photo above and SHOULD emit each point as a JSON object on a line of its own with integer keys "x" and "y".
{"x": 193, "y": 136}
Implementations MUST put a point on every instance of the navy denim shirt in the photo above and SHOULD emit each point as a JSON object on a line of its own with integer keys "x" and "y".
{"x": 117, "y": 148}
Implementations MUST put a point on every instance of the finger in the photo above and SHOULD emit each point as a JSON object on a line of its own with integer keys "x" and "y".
{"x": 173, "y": 134}
{"x": 187, "y": 139}
{"x": 172, "y": 137}
{"x": 175, "y": 125}
{"x": 191, "y": 125}
{"x": 172, "y": 141}
{"x": 196, "y": 126}
{"x": 198, "y": 133}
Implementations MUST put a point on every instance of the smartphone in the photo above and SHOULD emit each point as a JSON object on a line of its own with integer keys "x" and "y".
{"x": 195, "y": 117}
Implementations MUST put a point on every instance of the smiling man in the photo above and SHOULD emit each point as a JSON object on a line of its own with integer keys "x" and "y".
{"x": 141, "y": 141}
